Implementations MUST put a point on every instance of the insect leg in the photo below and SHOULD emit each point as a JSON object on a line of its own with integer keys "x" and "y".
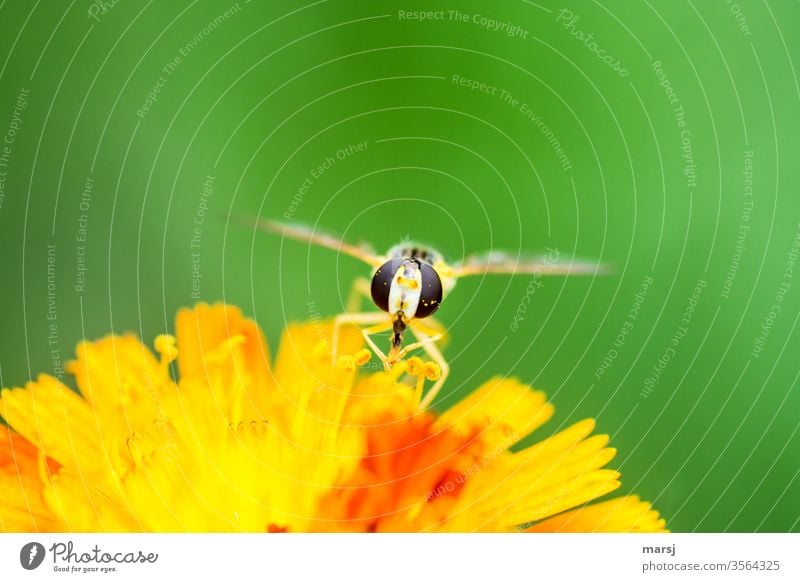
{"x": 433, "y": 330}
{"x": 426, "y": 339}
{"x": 430, "y": 326}
{"x": 381, "y": 327}
{"x": 359, "y": 290}
{"x": 364, "y": 318}
{"x": 428, "y": 343}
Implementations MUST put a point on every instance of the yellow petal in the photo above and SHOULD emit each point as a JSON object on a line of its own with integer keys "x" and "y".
{"x": 80, "y": 506}
{"x": 218, "y": 346}
{"x": 122, "y": 381}
{"x": 57, "y": 421}
{"x": 559, "y": 473}
{"x": 565, "y": 495}
{"x": 503, "y": 410}
{"x": 309, "y": 388}
{"x": 623, "y": 514}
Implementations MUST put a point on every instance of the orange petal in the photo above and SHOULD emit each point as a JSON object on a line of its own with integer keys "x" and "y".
{"x": 21, "y": 506}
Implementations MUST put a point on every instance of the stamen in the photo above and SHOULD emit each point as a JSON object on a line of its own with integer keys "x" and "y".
{"x": 433, "y": 371}
{"x": 345, "y": 364}
{"x": 166, "y": 346}
{"x": 397, "y": 370}
{"x": 423, "y": 371}
{"x": 414, "y": 366}
{"x": 362, "y": 356}
{"x": 348, "y": 363}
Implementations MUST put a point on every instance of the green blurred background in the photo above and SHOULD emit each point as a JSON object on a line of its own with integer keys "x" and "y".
{"x": 691, "y": 193}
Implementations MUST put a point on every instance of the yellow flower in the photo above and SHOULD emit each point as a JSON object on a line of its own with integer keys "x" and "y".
{"x": 237, "y": 444}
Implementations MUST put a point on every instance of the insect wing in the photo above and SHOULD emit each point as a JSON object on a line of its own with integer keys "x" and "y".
{"x": 307, "y": 234}
{"x": 505, "y": 263}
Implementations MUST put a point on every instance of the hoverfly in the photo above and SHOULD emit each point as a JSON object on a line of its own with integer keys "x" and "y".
{"x": 408, "y": 286}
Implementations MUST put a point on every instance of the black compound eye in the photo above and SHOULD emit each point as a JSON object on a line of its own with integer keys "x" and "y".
{"x": 431, "y": 295}
{"x": 382, "y": 283}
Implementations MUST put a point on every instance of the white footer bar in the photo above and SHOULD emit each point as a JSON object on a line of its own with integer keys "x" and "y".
{"x": 402, "y": 557}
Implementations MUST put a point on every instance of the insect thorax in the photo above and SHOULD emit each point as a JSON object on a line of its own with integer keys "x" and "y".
{"x": 408, "y": 250}
{"x": 426, "y": 254}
